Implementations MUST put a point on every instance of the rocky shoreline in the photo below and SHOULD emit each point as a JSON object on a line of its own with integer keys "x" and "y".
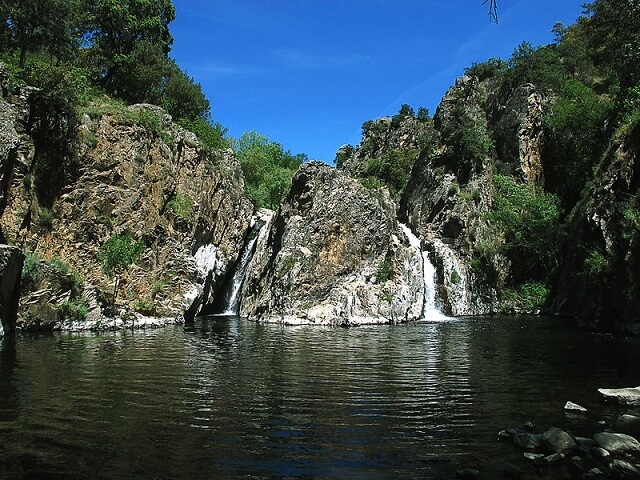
{"x": 595, "y": 449}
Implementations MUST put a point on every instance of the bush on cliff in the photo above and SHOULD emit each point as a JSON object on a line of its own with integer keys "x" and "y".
{"x": 528, "y": 221}
{"x": 267, "y": 168}
{"x": 116, "y": 254}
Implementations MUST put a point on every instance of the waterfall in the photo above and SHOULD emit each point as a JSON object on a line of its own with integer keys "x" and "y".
{"x": 232, "y": 293}
{"x": 429, "y": 310}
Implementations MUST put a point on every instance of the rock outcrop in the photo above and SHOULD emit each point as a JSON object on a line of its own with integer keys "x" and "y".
{"x": 333, "y": 254}
{"x": 11, "y": 259}
{"x": 600, "y": 272}
{"x": 137, "y": 173}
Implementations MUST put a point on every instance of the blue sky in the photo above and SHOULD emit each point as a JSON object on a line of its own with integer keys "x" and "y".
{"x": 308, "y": 73}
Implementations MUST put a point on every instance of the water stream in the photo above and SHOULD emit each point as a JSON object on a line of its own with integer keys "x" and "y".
{"x": 430, "y": 310}
{"x": 232, "y": 294}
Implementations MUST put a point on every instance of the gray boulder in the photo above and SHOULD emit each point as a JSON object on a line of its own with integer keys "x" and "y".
{"x": 616, "y": 443}
{"x": 629, "y": 424}
{"x": 625, "y": 469}
{"x": 621, "y": 396}
{"x": 555, "y": 440}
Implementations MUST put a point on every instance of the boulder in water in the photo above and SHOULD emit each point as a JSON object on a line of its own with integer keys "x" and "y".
{"x": 574, "y": 407}
{"x": 616, "y": 443}
{"x": 621, "y": 396}
{"x": 555, "y": 440}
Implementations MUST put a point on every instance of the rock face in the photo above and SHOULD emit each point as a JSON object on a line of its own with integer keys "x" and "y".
{"x": 600, "y": 280}
{"x": 11, "y": 260}
{"x": 333, "y": 254}
{"x": 136, "y": 173}
{"x": 450, "y": 188}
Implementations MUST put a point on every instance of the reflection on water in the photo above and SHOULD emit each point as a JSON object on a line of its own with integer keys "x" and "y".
{"x": 226, "y": 398}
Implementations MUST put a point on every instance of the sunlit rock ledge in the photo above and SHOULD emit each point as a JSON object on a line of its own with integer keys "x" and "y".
{"x": 106, "y": 324}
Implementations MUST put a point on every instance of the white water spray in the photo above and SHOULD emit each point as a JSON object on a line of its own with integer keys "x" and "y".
{"x": 429, "y": 310}
{"x": 233, "y": 294}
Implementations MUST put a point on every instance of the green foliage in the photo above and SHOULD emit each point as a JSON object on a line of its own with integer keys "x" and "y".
{"x": 527, "y": 297}
{"x": 542, "y": 66}
{"x": 116, "y": 254}
{"x": 371, "y": 183}
{"x": 595, "y": 262}
{"x": 40, "y": 25}
{"x": 575, "y": 140}
{"x": 54, "y": 121}
{"x": 392, "y": 168}
{"x": 29, "y": 266}
{"x": 614, "y": 36}
{"x": 529, "y": 223}
{"x": 59, "y": 265}
{"x": 181, "y": 205}
{"x": 121, "y": 33}
{"x": 455, "y": 277}
{"x": 75, "y": 310}
{"x": 211, "y": 134}
{"x": 45, "y": 219}
{"x": 468, "y": 143}
{"x": 385, "y": 271}
{"x": 343, "y": 155}
{"x": 144, "y": 306}
{"x": 631, "y": 218}
{"x": 493, "y": 67}
{"x": 182, "y": 97}
{"x": 423, "y": 115}
{"x": 267, "y": 168}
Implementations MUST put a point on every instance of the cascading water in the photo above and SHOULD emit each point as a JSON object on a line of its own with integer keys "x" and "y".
{"x": 232, "y": 294}
{"x": 430, "y": 310}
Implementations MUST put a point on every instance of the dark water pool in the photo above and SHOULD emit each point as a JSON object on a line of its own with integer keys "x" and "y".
{"x": 226, "y": 398}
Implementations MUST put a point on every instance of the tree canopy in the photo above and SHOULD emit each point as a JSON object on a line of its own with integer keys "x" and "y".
{"x": 121, "y": 45}
{"x": 267, "y": 168}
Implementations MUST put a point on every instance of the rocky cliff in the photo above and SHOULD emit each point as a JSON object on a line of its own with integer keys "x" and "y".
{"x": 131, "y": 171}
{"x": 334, "y": 254}
{"x": 450, "y": 189}
{"x": 600, "y": 274}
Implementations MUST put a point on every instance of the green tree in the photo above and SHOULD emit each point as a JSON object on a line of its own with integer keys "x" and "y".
{"x": 267, "y": 168}
{"x": 181, "y": 96}
{"x": 117, "y": 29}
{"x": 614, "y": 33}
{"x": 467, "y": 141}
{"x": 41, "y": 25}
{"x": 116, "y": 254}
{"x": 575, "y": 140}
{"x": 529, "y": 222}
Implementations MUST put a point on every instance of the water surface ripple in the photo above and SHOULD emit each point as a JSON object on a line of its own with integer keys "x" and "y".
{"x": 226, "y": 398}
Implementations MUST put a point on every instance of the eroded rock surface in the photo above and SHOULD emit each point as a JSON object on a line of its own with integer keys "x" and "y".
{"x": 334, "y": 254}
